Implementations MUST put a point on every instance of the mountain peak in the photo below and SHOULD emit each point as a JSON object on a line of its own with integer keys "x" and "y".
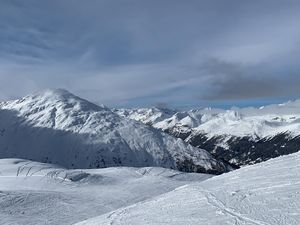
{"x": 54, "y": 94}
{"x": 60, "y": 127}
{"x": 57, "y": 92}
{"x": 55, "y": 108}
{"x": 58, "y": 98}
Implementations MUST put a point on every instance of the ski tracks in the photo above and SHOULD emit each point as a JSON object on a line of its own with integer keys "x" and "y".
{"x": 118, "y": 216}
{"x": 28, "y": 170}
{"x": 239, "y": 218}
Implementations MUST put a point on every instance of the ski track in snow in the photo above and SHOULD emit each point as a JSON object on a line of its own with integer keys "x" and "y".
{"x": 263, "y": 194}
{"x": 119, "y": 216}
{"x": 35, "y": 193}
{"x": 240, "y": 219}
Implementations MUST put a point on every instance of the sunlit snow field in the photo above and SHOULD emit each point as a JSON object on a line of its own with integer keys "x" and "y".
{"x": 36, "y": 193}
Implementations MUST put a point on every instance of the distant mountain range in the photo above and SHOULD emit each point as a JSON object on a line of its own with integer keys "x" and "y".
{"x": 58, "y": 127}
{"x": 238, "y": 136}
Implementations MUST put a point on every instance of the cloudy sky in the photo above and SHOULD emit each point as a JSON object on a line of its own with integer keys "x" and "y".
{"x": 128, "y": 53}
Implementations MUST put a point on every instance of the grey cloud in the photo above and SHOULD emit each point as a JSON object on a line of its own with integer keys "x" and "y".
{"x": 133, "y": 52}
{"x": 230, "y": 81}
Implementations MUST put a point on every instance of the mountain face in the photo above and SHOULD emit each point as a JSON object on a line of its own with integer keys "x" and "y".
{"x": 239, "y": 136}
{"x": 58, "y": 127}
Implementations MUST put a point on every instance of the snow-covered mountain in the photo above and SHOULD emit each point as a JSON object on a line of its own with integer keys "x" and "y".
{"x": 57, "y": 127}
{"x": 150, "y": 116}
{"x": 263, "y": 194}
{"x": 240, "y": 136}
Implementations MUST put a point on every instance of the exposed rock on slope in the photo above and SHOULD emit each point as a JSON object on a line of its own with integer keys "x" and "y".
{"x": 240, "y": 136}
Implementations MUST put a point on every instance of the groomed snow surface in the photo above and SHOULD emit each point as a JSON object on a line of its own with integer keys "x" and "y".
{"x": 36, "y": 193}
{"x": 266, "y": 193}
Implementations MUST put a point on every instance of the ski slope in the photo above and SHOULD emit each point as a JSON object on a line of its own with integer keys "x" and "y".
{"x": 263, "y": 194}
{"x": 35, "y": 193}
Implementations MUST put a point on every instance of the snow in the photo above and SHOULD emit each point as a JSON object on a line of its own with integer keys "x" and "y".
{"x": 38, "y": 193}
{"x": 145, "y": 115}
{"x": 75, "y": 137}
{"x": 256, "y": 123}
{"x": 262, "y": 194}
{"x": 58, "y": 127}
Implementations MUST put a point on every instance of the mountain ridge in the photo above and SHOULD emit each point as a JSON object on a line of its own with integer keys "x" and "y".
{"x": 240, "y": 136}
{"x": 56, "y": 126}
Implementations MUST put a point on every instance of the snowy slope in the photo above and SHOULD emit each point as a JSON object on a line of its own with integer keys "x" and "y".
{"x": 262, "y": 194}
{"x": 149, "y": 116}
{"x": 239, "y": 136}
{"x": 34, "y": 193}
{"x": 252, "y": 122}
{"x": 57, "y": 127}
